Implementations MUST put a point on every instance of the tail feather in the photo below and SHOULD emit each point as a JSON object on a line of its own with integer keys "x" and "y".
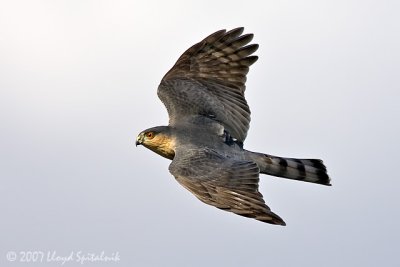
{"x": 307, "y": 170}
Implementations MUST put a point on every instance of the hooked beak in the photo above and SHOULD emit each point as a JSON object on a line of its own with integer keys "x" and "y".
{"x": 139, "y": 139}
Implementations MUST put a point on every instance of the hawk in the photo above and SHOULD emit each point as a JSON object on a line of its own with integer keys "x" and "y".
{"x": 208, "y": 123}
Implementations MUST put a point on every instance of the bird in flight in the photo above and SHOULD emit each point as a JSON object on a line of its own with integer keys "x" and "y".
{"x": 208, "y": 123}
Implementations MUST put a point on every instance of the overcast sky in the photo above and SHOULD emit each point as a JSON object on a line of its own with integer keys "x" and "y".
{"x": 78, "y": 82}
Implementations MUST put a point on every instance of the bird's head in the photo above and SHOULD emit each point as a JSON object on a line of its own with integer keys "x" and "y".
{"x": 159, "y": 140}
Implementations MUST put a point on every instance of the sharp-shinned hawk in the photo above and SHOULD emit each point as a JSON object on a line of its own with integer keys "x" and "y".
{"x": 208, "y": 123}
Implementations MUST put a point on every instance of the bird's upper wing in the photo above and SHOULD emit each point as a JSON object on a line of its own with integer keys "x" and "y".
{"x": 209, "y": 80}
{"x": 225, "y": 183}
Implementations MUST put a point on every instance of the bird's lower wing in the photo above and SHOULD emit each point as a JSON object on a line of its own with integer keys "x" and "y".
{"x": 225, "y": 183}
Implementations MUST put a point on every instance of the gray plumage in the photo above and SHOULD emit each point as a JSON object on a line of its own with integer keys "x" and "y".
{"x": 208, "y": 123}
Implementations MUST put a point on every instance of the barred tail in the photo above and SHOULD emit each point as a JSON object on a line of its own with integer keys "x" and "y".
{"x": 307, "y": 170}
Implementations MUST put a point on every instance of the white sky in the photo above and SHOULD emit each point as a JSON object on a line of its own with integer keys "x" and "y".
{"x": 78, "y": 81}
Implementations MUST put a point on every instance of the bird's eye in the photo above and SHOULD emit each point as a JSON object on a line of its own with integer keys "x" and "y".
{"x": 150, "y": 135}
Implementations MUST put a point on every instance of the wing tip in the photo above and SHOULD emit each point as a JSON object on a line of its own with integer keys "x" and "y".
{"x": 271, "y": 219}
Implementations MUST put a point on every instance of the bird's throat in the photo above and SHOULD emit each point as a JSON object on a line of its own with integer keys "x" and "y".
{"x": 165, "y": 149}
